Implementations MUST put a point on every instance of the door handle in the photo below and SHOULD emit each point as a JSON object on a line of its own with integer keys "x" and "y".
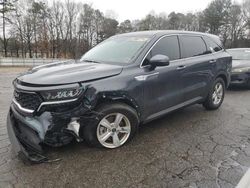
{"x": 212, "y": 61}
{"x": 181, "y": 67}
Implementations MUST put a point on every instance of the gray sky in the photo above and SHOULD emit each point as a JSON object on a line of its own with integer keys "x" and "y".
{"x": 137, "y": 9}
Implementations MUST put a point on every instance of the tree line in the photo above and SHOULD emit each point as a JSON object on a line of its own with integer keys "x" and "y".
{"x": 68, "y": 29}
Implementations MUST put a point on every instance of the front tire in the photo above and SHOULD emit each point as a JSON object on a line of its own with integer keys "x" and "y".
{"x": 216, "y": 95}
{"x": 117, "y": 124}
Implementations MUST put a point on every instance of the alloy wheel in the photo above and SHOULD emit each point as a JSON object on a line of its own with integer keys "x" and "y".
{"x": 218, "y": 93}
{"x": 113, "y": 130}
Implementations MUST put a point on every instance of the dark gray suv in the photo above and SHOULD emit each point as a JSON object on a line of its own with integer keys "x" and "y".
{"x": 127, "y": 80}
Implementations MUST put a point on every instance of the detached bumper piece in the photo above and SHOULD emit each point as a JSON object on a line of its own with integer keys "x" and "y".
{"x": 24, "y": 140}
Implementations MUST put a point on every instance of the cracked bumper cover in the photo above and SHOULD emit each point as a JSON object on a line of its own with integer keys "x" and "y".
{"x": 24, "y": 144}
{"x": 28, "y": 134}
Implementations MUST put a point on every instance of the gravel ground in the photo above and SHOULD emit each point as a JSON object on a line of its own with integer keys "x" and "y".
{"x": 189, "y": 148}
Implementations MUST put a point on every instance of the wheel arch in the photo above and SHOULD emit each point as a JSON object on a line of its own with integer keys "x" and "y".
{"x": 224, "y": 77}
{"x": 119, "y": 98}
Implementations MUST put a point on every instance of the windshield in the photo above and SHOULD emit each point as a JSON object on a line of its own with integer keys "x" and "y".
{"x": 118, "y": 50}
{"x": 243, "y": 54}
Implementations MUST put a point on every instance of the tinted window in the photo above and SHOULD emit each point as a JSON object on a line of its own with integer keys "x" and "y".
{"x": 211, "y": 45}
{"x": 192, "y": 46}
{"x": 168, "y": 46}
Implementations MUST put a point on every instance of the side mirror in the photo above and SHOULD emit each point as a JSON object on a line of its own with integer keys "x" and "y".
{"x": 159, "y": 61}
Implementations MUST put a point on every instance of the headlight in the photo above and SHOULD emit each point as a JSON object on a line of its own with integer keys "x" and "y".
{"x": 239, "y": 70}
{"x": 62, "y": 94}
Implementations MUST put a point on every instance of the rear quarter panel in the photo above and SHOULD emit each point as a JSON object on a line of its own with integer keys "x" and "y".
{"x": 223, "y": 65}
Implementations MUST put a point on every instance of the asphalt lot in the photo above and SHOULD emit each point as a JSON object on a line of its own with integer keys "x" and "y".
{"x": 189, "y": 148}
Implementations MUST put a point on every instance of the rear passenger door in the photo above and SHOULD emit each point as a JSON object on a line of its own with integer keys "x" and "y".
{"x": 198, "y": 70}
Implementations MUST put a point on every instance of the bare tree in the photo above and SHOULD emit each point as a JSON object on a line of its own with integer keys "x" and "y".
{"x": 71, "y": 13}
{"x": 216, "y": 15}
{"x": 125, "y": 27}
{"x": 69, "y": 29}
{"x": 36, "y": 13}
{"x": 246, "y": 13}
{"x": 7, "y": 6}
{"x": 236, "y": 22}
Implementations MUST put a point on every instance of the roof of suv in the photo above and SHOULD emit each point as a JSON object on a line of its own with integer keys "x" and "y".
{"x": 160, "y": 33}
{"x": 164, "y": 32}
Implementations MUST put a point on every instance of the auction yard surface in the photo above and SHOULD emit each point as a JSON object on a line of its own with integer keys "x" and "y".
{"x": 189, "y": 148}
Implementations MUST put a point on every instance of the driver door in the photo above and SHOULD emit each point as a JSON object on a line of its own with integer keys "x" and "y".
{"x": 163, "y": 86}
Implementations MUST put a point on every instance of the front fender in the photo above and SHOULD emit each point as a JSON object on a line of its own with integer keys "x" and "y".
{"x": 93, "y": 98}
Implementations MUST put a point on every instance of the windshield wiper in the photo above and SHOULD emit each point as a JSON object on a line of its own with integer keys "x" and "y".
{"x": 90, "y": 61}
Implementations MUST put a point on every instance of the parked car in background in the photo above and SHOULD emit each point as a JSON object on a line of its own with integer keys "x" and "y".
{"x": 127, "y": 80}
{"x": 240, "y": 66}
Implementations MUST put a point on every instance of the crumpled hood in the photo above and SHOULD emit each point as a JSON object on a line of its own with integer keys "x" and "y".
{"x": 68, "y": 72}
{"x": 240, "y": 64}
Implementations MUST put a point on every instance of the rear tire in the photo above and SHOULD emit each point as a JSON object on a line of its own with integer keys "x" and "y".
{"x": 216, "y": 95}
{"x": 117, "y": 124}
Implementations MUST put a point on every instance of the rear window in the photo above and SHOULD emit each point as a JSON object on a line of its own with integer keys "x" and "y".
{"x": 192, "y": 46}
{"x": 211, "y": 45}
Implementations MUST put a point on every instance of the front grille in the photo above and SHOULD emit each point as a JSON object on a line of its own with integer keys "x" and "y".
{"x": 28, "y": 100}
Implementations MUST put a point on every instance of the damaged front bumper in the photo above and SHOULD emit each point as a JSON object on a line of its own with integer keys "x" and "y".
{"x": 29, "y": 134}
{"x": 24, "y": 140}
